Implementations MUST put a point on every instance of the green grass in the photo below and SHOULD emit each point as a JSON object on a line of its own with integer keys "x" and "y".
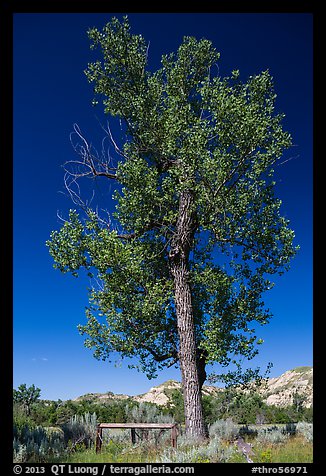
{"x": 295, "y": 450}
{"x": 301, "y": 370}
{"x": 116, "y": 453}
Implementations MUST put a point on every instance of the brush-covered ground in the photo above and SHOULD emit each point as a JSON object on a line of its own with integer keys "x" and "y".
{"x": 267, "y": 444}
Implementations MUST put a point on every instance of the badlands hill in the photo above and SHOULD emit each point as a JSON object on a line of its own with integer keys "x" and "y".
{"x": 278, "y": 391}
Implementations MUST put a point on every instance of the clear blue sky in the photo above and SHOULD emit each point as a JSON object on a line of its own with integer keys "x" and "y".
{"x": 51, "y": 93}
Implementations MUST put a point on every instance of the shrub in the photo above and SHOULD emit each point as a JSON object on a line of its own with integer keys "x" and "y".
{"x": 272, "y": 436}
{"x": 225, "y": 429}
{"x": 189, "y": 451}
{"x": 34, "y": 444}
{"x": 20, "y": 452}
{"x": 245, "y": 430}
{"x": 80, "y": 429}
{"x": 306, "y": 430}
{"x": 149, "y": 413}
{"x": 290, "y": 429}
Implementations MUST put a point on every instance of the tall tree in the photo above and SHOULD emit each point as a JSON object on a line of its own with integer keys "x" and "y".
{"x": 183, "y": 262}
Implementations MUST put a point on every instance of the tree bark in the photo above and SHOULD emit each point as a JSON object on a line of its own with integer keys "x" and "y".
{"x": 179, "y": 265}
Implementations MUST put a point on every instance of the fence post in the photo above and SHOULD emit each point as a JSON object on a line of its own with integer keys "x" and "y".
{"x": 133, "y": 435}
{"x": 174, "y": 436}
{"x": 98, "y": 439}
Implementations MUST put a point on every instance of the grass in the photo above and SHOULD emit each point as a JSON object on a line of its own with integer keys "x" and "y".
{"x": 116, "y": 453}
{"x": 295, "y": 450}
{"x": 301, "y": 370}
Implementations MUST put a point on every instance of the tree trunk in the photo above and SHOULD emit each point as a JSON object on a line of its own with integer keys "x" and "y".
{"x": 179, "y": 265}
{"x": 201, "y": 366}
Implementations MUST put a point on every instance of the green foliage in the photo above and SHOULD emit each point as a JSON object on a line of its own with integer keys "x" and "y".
{"x": 33, "y": 444}
{"x": 301, "y": 370}
{"x": 243, "y": 407}
{"x": 176, "y": 406}
{"x": 266, "y": 456}
{"x": 26, "y": 396}
{"x": 45, "y": 413}
{"x": 21, "y": 418}
{"x": 298, "y": 401}
{"x": 114, "y": 412}
{"x": 184, "y": 129}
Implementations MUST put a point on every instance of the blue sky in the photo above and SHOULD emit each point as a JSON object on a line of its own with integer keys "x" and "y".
{"x": 51, "y": 93}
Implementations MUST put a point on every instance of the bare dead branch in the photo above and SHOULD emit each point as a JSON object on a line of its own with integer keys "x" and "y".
{"x": 109, "y": 134}
{"x": 287, "y": 160}
{"x": 89, "y": 164}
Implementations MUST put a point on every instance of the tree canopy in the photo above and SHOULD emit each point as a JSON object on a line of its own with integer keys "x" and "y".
{"x": 26, "y": 396}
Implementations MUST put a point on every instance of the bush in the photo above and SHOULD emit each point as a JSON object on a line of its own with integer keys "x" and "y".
{"x": 272, "y": 436}
{"x": 224, "y": 429}
{"x": 81, "y": 429}
{"x": 21, "y": 420}
{"x": 306, "y": 430}
{"x": 148, "y": 413}
{"x": 245, "y": 430}
{"x": 191, "y": 451}
{"x": 290, "y": 429}
{"x": 35, "y": 444}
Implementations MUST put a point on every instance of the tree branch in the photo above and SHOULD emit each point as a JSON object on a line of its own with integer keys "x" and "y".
{"x": 245, "y": 156}
{"x": 89, "y": 164}
{"x": 161, "y": 357}
{"x": 117, "y": 149}
{"x": 247, "y": 246}
{"x": 158, "y": 357}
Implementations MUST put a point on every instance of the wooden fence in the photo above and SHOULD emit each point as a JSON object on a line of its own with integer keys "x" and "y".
{"x": 133, "y": 427}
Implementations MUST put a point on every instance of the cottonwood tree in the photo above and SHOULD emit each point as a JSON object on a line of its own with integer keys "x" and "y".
{"x": 182, "y": 263}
